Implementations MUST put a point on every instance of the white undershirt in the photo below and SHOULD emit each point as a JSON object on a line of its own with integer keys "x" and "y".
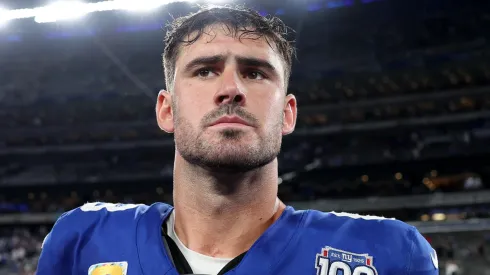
{"x": 200, "y": 264}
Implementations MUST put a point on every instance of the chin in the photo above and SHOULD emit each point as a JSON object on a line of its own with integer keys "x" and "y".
{"x": 231, "y": 139}
{"x": 233, "y": 134}
{"x": 235, "y": 163}
{"x": 234, "y": 149}
{"x": 229, "y": 156}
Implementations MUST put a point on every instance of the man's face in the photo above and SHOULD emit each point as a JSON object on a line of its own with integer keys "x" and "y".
{"x": 241, "y": 83}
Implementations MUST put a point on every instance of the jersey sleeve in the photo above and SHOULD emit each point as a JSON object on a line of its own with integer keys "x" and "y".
{"x": 58, "y": 248}
{"x": 422, "y": 258}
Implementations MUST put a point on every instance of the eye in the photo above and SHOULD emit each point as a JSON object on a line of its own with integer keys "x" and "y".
{"x": 205, "y": 73}
{"x": 256, "y": 75}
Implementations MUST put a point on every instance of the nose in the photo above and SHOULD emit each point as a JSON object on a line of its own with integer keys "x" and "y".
{"x": 231, "y": 90}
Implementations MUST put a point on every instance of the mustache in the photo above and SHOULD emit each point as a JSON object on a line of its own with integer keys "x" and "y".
{"x": 229, "y": 110}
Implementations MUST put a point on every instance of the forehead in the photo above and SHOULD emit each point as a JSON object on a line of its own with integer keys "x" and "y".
{"x": 218, "y": 40}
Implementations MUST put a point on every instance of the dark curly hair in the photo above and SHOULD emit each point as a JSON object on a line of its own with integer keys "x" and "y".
{"x": 238, "y": 21}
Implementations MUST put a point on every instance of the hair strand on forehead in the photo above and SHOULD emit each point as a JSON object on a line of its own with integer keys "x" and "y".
{"x": 238, "y": 22}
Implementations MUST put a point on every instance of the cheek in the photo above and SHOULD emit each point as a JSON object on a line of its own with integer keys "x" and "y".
{"x": 192, "y": 103}
{"x": 190, "y": 112}
{"x": 273, "y": 113}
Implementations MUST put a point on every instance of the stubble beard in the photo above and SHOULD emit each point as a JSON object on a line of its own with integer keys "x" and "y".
{"x": 226, "y": 153}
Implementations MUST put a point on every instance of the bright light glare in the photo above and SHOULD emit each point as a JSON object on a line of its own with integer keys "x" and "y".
{"x": 104, "y": 6}
{"x": 67, "y": 10}
{"x": 4, "y": 17}
{"x": 22, "y": 13}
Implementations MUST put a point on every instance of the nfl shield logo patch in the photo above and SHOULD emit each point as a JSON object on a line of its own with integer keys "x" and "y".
{"x": 113, "y": 268}
{"x": 333, "y": 261}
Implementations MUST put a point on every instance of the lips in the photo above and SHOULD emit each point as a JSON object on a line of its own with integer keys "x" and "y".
{"x": 230, "y": 119}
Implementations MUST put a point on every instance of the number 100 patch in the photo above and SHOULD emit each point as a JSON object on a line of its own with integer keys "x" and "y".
{"x": 332, "y": 260}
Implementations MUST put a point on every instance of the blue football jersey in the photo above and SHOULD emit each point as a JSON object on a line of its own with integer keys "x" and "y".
{"x": 126, "y": 239}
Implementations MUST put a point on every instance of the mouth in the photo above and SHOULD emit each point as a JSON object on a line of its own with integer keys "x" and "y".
{"x": 230, "y": 121}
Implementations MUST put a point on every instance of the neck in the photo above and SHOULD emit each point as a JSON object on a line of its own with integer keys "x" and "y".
{"x": 222, "y": 215}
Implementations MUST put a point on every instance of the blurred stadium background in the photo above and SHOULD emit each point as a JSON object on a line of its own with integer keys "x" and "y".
{"x": 394, "y": 115}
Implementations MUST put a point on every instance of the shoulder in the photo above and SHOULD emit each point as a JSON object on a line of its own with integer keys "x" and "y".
{"x": 94, "y": 212}
{"x": 80, "y": 221}
{"x": 83, "y": 226}
{"x": 89, "y": 213}
{"x": 376, "y": 228}
{"x": 354, "y": 222}
{"x": 401, "y": 239}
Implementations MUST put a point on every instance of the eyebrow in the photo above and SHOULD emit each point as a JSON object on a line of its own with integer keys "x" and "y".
{"x": 241, "y": 60}
{"x": 255, "y": 62}
{"x": 205, "y": 60}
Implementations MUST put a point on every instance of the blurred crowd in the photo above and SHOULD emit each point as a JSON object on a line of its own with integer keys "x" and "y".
{"x": 463, "y": 253}
{"x": 294, "y": 187}
{"x": 304, "y": 164}
{"x": 20, "y": 249}
{"x": 391, "y": 103}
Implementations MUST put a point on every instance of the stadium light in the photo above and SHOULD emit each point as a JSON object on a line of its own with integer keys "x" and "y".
{"x": 69, "y": 10}
{"x": 3, "y": 16}
{"x": 104, "y": 6}
{"x": 66, "y": 10}
{"x": 22, "y": 13}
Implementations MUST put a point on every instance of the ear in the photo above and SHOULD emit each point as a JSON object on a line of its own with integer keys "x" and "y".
{"x": 290, "y": 114}
{"x": 164, "y": 112}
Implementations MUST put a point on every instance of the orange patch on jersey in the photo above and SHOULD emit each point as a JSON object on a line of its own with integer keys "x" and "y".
{"x": 115, "y": 268}
{"x": 108, "y": 270}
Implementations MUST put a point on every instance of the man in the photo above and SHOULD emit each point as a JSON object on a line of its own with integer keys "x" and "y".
{"x": 227, "y": 72}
